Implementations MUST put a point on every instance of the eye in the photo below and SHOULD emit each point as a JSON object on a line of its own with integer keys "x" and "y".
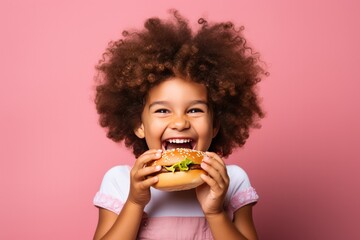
{"x": 162, "y": 110}
{"x": 195, "y": 110}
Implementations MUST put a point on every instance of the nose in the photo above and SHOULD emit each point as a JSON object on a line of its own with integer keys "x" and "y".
{"x": 179, "y": 123}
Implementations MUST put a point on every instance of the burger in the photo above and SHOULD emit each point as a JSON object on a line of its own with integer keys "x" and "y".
{"x": 180, "y": 169}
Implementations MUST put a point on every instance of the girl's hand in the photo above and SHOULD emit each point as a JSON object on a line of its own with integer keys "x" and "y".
{"x": 211, "y": 195}
{"x": 140, "y": 181}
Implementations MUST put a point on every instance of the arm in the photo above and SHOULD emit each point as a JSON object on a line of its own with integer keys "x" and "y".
{"x": 211, "y": 198}
{"x": 111, "y": 225}
{"x": 126, "y": 224}
{"x": 241, "y": 228}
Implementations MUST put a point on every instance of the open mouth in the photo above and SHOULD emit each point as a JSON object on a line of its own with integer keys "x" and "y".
{"x": 178, "y": 143}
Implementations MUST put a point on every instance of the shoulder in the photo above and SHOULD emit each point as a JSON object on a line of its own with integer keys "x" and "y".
{"x": 117, "y": 171}
{"x": 114, "y": 189}
{"x": 240, "y": 192}
{"x": 116, "y": 181}
{"x": 235, "y": 168}
{"x": 239, "y": 181}
{"x": 116, "y": 176}
{"x": 236, "y": 173}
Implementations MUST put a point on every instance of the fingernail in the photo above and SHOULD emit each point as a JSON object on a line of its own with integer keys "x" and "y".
{"x": 158, "y": 167}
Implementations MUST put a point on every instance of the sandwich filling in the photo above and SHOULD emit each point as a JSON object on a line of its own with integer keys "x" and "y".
{"x": 184, "y": 165}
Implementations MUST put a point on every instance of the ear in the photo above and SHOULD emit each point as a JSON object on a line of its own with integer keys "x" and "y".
{"x": 216, "y": 128}
{"x": 139, "y": 132}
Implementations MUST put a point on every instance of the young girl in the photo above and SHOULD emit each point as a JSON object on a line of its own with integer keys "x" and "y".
{"x": 166, "y": 87}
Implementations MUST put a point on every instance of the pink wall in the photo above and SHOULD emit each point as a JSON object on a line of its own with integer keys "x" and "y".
{"x": 303, "y": 162}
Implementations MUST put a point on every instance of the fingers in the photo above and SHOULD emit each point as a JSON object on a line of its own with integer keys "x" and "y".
{"x": 142, "y": 177}
{"x": 140, "y": 170}
{"x": 146, "y": 183}
{"x": 147, "y": 157}
{"x": 217, "y": 177}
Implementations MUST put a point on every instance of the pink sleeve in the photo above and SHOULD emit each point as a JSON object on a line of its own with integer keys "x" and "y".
{"x": 242, "y": 198}
{"x": 108, "y": 202}
{"x": 240, "y": 191}
{"x": 114, "y": 189}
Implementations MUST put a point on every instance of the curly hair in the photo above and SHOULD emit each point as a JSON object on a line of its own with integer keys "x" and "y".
{"x": 217, "y": 56}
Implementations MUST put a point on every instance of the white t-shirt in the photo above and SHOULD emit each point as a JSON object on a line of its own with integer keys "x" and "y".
{"x": 173, "y": 208}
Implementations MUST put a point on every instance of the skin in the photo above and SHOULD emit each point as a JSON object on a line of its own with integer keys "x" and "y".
{"x": 177, "y": 109}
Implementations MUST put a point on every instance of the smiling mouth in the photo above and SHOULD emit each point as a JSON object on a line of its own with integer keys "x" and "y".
{"x": 178, "y": 143}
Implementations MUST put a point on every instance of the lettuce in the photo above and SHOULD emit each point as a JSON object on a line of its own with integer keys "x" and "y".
{"x": 182, "y": 166}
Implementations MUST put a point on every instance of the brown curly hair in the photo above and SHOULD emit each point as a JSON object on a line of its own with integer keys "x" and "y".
{"x": 216, "y": 55}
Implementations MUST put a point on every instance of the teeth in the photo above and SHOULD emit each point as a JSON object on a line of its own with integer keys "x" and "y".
{"x": 179, "y": 140}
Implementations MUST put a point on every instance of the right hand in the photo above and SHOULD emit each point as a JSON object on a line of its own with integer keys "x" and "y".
{"x": 140, "y": 181}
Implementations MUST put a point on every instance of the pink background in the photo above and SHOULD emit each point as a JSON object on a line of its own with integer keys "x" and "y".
{"x": 303, "y": 162}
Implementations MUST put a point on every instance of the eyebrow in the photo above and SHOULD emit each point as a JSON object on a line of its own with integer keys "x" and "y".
{"x": 167, "y": 103}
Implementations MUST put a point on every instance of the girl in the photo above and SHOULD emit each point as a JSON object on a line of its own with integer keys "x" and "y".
{"x": 166, "y": 87}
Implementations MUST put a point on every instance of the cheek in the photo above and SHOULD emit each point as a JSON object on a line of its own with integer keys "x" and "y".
{"x": 205, "y": 128}
{"x": 155, "y": 127}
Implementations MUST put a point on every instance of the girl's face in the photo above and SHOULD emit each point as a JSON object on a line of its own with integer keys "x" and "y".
{"x": 177, "y": 114}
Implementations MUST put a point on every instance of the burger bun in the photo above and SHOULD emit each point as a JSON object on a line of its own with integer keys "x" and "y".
{"x": 179, "y": 180}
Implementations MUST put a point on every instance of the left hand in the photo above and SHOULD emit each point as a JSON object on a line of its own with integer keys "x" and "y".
{"x": 212, "y": 193}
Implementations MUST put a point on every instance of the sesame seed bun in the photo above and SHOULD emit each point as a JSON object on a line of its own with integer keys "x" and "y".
{"x": 180, "y": 180}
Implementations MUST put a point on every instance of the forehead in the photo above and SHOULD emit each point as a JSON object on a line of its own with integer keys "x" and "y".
{"x": 177, "y": 89}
